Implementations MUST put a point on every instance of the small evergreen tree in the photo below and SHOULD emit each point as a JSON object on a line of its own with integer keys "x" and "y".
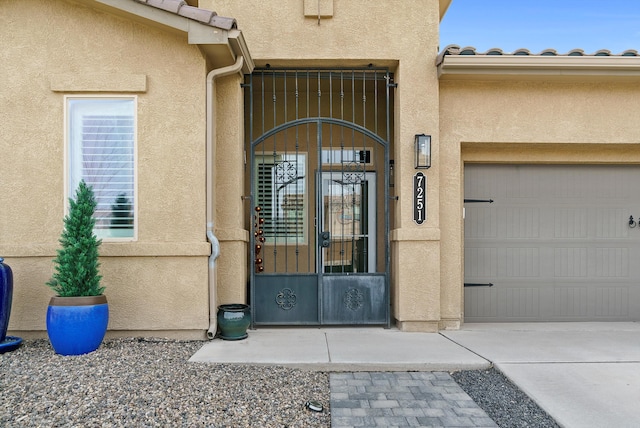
{"x": 77, "y": 261}
{"x": 121, "y": 216}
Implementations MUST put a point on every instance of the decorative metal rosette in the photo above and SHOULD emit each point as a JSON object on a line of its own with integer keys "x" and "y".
{"x": 285, "y": 172}
{"x": 353, "y": 299}
{"x": 352, "y": 172}
{"x": 286, "y": 299}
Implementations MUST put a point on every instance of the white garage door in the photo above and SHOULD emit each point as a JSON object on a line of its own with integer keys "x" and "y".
{"x": 556, "y": 243}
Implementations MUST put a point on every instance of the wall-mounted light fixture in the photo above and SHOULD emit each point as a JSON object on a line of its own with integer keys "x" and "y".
{"x": 423, "y": 151}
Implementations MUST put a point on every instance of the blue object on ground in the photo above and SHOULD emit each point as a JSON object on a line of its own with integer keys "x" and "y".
{"x": 77, "y": 330}
{"x": 6, "y": 296}
{"x": 10, "y": 343}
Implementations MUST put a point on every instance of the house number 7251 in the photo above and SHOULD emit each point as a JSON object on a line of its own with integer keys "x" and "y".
{"x": 419, "y": 198}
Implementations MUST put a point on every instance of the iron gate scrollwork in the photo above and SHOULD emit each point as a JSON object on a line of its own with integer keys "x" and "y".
{"x": 353, "y": 299}
{"x": 319, "y": 180}
{"x": 286, "y": 299}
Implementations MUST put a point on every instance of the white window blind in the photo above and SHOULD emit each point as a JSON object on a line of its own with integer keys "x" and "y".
{"x": 102, "y": 152}
{"x": 280, "y": 193}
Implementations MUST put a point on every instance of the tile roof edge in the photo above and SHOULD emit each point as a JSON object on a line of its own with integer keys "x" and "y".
{"x": 203, "y": 16}
{"x": 472, "y": 51}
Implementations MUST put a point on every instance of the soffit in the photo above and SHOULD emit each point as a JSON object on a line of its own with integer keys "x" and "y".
{"x": 455, "y": 63}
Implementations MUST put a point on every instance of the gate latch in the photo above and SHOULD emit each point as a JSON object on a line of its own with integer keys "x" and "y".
{"x": 325, "y": 239}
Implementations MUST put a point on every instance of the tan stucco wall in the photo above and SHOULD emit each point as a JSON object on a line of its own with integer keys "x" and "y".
{"x": 231, "y": 275}
{"x": 540, "y": 112}
{"x": 404, "y": 36}
{"x": 160, "y": 283}
{"x": 525, "y": 122}
{"x": 54, "y": 48}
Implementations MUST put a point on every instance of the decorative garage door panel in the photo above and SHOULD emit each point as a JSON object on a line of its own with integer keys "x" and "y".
{"x": 556, "y": 243}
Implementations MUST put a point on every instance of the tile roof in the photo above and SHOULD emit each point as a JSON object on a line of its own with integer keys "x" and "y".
{"x": 457, "y": 50}
{"x": 203, "y": 16}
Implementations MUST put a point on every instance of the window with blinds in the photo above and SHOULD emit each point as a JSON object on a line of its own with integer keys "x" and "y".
{"x": 102, "y": 152}
{"x": 280, "y": 190}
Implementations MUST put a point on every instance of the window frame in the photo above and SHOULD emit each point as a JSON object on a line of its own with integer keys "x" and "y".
{"x": 69, "y": 185}
{"x": 285, "y": 238}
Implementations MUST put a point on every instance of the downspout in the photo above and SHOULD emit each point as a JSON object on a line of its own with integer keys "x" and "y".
{"x": 211, "y": 138}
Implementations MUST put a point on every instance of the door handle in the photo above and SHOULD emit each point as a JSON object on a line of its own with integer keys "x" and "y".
{"x": 325, "y": 239}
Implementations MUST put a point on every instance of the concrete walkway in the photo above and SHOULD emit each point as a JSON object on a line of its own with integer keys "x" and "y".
{"x": 369, "y": 381}
{"x": 583, "y": 374}
{"x": 344, "y": 349}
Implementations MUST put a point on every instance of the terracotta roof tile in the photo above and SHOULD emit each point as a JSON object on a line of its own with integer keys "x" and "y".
{"x": 168, "y": 5}
{"x": 521, "y": 52}
{"x": 197, "y": 14}
{"x": 181, "y": 8}
{"x": 223, "y": 22}
{"x": 470, "y": 50}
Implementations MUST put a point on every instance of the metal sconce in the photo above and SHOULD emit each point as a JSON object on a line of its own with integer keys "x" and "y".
{"x": 423, "y": 151}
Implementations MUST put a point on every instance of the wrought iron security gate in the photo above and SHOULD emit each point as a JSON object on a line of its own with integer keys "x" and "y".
{"x": 319, "y": 185}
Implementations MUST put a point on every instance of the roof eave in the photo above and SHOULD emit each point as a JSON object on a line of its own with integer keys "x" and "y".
{"x": 444, "y": 5}
{"x": 498, "y": 67}
{"x": 220, "y": 46}
{"x": 239, "y": 46}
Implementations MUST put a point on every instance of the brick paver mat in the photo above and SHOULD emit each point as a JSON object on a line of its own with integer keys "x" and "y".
{"x": 402, "y": 399}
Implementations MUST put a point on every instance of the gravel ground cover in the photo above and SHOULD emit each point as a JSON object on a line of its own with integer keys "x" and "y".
{"x": 502, "y": 400}
{"x": 150, "y": 383}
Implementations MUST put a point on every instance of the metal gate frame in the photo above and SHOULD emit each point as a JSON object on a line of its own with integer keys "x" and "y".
{"x": 318, "y": 277}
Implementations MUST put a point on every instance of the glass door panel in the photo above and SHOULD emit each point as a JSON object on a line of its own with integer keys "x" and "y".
{"x": 347, "y": 224}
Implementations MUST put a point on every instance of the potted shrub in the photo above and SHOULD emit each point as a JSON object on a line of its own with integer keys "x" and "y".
{"x": 78, "y": 315}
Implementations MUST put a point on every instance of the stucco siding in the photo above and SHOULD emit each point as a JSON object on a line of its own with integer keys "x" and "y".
{"x": 400, "y": 35}
{"x": 57, "y": 48}
{"x": 526, "y": 122}
{"x": 539, "y": 112}
{"x": 358, "y": 30}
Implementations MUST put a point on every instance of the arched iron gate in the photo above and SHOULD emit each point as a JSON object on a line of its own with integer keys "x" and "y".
{"x": 319, "y": 211}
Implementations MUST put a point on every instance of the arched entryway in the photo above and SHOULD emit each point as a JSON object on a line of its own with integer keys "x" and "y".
{"x": 319, "y": 214}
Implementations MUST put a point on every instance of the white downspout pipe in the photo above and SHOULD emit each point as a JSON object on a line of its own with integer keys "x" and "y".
{"x": 211, "y": 151}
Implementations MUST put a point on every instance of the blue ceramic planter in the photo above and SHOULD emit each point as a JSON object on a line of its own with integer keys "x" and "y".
{"x": 7, "y": 343}
{"x": 77, "y": 325}
{"x": 6, "y": 296}
{"x": 233, "y": 321}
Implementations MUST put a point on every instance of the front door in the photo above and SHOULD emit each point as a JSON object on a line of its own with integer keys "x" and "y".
{"x": 352, "y": 291}
{"x": 320, "y": 229}
{"x": 347, "y": 214}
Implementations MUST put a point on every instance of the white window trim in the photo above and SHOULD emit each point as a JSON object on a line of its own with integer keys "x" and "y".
{"x": 70, "y": 193}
